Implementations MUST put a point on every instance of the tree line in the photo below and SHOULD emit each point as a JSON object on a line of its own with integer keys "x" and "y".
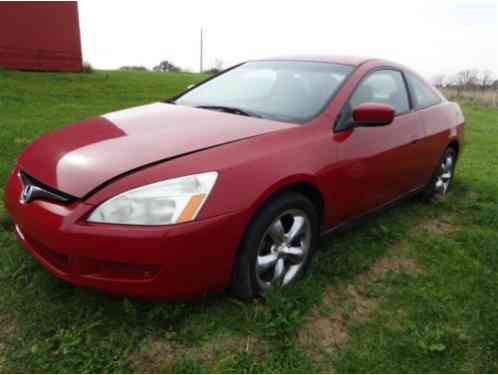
{"x": 471, "y": 86}
{"x": 168, "y": 66}
{"x": 468, "y": 79}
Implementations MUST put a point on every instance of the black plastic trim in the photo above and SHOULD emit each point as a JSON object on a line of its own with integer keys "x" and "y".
{"x": 43, "y": 191}
{"x": 358, "y": 220}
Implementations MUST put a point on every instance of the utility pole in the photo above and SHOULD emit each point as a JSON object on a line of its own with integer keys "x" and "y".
{"x": 202, "y": 50}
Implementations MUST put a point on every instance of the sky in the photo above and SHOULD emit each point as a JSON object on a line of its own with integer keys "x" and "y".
{"x": 432, "y": 37}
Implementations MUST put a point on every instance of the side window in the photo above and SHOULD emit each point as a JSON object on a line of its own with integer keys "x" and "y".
{"x": 423, "y": 94}
{"x": 382, "y": 86}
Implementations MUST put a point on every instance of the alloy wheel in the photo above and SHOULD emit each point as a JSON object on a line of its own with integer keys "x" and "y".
{"x": 283, "y": 250}
{"x": 445, "y": 175}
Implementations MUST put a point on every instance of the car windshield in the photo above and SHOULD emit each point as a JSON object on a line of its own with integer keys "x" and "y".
{"x": 278, "y": 90}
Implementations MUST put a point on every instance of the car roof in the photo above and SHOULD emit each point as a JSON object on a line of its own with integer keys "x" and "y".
{"x": 335, "y": 59}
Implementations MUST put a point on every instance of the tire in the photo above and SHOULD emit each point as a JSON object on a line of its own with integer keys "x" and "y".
{"x": 443, "y": 175}
{"x": 269, "y": 254}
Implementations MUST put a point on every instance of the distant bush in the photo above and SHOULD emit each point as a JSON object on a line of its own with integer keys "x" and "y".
{"x": 166, "y": 66}
{"x": 469, "y": 86}
{"x": 134, "y": 67}
{"x": 217, "y": 67}
{"x": 488, "y": 97}
{"x": 212, "y": 71}
{"x": 87, "y": 67}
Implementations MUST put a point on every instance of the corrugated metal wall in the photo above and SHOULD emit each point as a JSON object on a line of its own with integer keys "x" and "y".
{"x": 42, "y": 35}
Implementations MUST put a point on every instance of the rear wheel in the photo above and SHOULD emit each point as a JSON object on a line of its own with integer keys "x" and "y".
{"x": 443, "y": 175}
{"x": 277, "y": 247}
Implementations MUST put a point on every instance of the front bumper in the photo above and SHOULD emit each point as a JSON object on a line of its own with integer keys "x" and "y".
{"x": 176, "y": 261}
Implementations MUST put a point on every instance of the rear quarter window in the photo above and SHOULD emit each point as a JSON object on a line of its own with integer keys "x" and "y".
{"x": 423, "y": 94}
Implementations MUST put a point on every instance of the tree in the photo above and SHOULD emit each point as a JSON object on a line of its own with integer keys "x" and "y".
{"x": 218, "y": 64}
{"x": 467, "y": 79}
{"x": 438, "y": 80}
{"x": 133, "y": 67}
{"x": 486, "y": 79}
{"x": 217, "y": 67}
{"x": 166, "y": 66}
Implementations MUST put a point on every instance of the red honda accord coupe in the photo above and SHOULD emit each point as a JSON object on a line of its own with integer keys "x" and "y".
{"x": 231, "y": 183}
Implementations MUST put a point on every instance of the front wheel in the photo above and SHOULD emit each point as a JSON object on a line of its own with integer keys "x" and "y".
{"x": 277, "y": 247}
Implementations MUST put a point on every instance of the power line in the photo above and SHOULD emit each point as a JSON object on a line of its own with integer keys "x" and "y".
{"x": 202, "y": 50}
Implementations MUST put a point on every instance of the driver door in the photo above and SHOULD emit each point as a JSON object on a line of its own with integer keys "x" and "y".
{"x": 377, "y": 163}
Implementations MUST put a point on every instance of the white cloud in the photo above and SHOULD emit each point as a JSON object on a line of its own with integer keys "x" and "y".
{"x": 430, "y": 36}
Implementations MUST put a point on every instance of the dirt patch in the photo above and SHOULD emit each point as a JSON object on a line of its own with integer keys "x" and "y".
{"x": 154, "y": 356}
{"x": 161, "y": 354}
{"x": 329, "y": 330}
{"x": 398, "y": 261}
{"x": 472, "y": 195}
{"x": 385, "y": 265}
{"x": 439, "y": 227}
{"x": 362, "y": 304}
{"x": 351, "y": 304}
{"x": 326, "y": 333}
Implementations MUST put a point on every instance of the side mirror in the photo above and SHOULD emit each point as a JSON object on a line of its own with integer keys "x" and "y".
{"x": 373, "y": 114}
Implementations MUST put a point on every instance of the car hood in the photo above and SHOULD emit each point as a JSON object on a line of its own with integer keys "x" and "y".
{"x": 79, "y": 158}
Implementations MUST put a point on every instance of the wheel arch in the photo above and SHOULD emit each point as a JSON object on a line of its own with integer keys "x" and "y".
{"x": 454, "y": 144}
{"x": 302, "y": 184}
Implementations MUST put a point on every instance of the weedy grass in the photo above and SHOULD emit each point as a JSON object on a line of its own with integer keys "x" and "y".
{"x": 412, "y": 290}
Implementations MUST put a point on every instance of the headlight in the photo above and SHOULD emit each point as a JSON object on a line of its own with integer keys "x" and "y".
{"x": 167, "y": 202}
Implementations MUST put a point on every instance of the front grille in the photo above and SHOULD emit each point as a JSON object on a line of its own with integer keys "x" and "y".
{"x": 90, "y": 267}
{"x": 56, "y": 260}
{"x": 43, "y": 191}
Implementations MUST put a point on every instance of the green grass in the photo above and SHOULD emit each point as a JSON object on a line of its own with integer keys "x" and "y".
{"x": 414, "y": 290}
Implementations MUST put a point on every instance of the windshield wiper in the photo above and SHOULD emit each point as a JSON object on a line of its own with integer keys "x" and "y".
{"x": 234, "y": 110}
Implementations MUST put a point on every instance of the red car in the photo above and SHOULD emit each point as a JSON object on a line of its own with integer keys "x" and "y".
{"x": 231, "y": 183}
